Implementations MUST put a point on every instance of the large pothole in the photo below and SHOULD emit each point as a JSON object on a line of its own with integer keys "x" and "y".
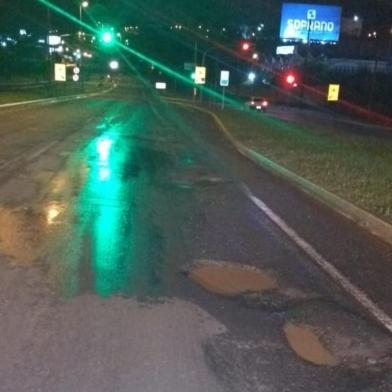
{"x": 231, "y": 279}
{"x": 304, "y": 341}
{"x": 325, "y": 334}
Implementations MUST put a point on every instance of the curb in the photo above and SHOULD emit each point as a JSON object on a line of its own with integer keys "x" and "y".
{"x": 362, "y": 218}
{"x": 53, "y": 100}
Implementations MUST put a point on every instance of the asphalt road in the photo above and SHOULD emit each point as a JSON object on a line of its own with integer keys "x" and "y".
{"x": 108, "y": 204}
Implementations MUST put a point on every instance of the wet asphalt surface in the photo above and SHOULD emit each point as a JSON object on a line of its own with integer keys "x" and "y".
{"x": 105, "y": 206}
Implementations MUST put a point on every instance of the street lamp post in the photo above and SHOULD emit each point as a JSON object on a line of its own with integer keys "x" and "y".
{"x": 390, "y": 44}
{"x": 83, "y": 4}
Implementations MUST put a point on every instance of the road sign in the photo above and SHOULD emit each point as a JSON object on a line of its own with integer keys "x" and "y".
{"x": 75, "y": 78}
{"x": 76, "y": 70}
{"x": 224, "y": 78}
{"x": 333, "y": 92}
{"x": 60, "y": 73}
{"x": 200, "y": 75}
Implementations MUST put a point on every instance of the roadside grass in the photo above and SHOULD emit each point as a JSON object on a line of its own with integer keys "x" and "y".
{"x": 356, "y": 167}
{"x": 27, "y": 94}
{"x": 18, "y": 96}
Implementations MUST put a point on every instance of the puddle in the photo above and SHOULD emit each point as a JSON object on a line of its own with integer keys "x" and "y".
{"x": 351, "y": 339}
{"x": 306, "y": 344}
{"x": 231, "y": 279}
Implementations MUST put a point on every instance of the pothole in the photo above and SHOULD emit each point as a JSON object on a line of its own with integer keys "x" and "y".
{"x": 230, "y": 279}
{"x": 354, "y": 342}
{"x": 307, "y": 345}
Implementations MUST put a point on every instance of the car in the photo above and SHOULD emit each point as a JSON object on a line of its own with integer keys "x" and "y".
{"x": 258, "y": 103}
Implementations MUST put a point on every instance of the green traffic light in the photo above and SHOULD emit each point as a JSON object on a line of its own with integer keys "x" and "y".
{"x": 107, "y": 37}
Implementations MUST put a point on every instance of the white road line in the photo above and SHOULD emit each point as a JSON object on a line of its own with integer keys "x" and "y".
{"x": 326, "y": 266}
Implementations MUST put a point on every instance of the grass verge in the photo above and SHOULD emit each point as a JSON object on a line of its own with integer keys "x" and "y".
{"x": 355, "y": 167}
{"x": 29, "y": 94}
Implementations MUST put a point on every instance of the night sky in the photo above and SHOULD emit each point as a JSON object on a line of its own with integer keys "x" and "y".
{"x": 30, "y": 14}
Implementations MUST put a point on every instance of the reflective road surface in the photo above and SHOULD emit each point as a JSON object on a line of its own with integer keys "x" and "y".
{"x": 108, "y": 206}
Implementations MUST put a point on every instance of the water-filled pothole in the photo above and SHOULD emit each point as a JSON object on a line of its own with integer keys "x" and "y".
{"x": 352, "y": 341}
{"x": 230, "y": 279}
{"x": 306, "y": 344}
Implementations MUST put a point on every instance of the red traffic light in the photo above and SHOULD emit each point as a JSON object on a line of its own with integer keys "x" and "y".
{"x": 245, "y": 46}
{"x": 290, "y": 79}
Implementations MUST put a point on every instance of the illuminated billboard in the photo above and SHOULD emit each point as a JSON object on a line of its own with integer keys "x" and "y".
{"x": 310, "y": 22}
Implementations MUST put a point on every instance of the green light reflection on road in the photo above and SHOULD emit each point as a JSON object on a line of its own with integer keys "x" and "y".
{"x": 113, "y": 203}
{"x": 105, "y": 183}
{"x": 105, "y": 195}
{"x": 113, "y": 236}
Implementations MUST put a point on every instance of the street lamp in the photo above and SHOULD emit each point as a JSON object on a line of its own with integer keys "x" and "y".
{"x": 114, "y": 65}
{"x": 83, "y": 4}
{"x": 251, "y": 77}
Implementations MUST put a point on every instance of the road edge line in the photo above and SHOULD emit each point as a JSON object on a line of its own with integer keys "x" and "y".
{"x": 359, "y": 295}
{"x": 362, "y": 218}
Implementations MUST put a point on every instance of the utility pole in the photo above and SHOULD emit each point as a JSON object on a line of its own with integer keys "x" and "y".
{"x": 374, "y": 76}
{"x": 49, "y": 54}
{"x": 195, "y": 62}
